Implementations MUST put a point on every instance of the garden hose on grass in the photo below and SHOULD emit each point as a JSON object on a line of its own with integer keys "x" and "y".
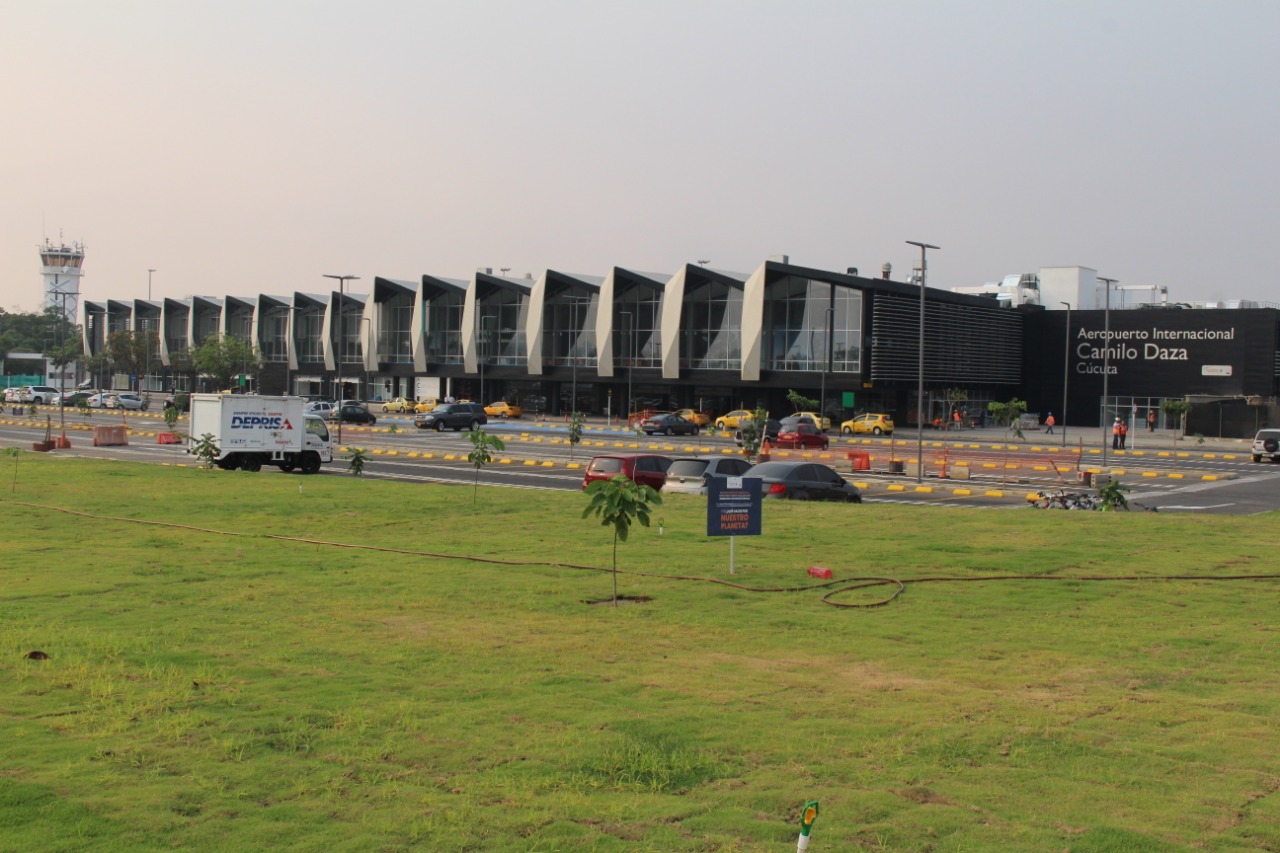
{"x": 834, "y": 588}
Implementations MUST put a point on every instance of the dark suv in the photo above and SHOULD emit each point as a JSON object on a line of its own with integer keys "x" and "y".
{"x": 455, "y": 416}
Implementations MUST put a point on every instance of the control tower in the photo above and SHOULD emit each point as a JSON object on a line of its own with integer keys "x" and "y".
{"x": 62, "y": 266}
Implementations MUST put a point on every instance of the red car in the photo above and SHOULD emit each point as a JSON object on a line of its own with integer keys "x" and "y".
{"x": 802, "y": 435}
{"x": 647, "y": 469}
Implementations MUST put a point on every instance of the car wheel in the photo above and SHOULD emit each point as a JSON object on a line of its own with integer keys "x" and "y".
{"x": 475, "y": 425}
{"x": 695, "y": 431}
{"x": 846, "y": 430}
{"x": 439, "y": 426}
{"x": 670, "y": 431}
{"x": 720, "y": 425}
{"x": 877, "y": 431}
{"x": 855, "y": 498}
{"x": 372, "y": 420}
{"x": 826, "y": 445}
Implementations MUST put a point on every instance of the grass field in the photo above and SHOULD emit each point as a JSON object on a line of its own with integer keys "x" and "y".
{"x": 212, "y": 687}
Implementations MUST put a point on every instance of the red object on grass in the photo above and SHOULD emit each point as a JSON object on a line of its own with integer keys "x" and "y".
{"x": 820, "y": 572}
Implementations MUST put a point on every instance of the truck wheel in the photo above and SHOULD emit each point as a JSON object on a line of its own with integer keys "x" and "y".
{"x": 251, "y": 463}
{"x": 230, "y": 463}
{"x": 310, "y": 463}
{"x": 288, "y": 464}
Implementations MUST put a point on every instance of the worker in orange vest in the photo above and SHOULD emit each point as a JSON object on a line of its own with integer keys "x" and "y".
{"x": 1124, "y": 433}
{"x": 1115, "y": 435}
{"x": 1048, "y": 424}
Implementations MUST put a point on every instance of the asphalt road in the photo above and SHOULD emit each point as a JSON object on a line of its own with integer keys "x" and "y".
{"x": 1214, "y": 478}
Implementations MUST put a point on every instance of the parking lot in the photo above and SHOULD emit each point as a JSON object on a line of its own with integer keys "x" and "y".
{"x": 971, "y": 468}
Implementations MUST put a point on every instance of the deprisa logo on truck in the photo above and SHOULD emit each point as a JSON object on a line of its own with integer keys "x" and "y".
{"x": 260, "y": 422}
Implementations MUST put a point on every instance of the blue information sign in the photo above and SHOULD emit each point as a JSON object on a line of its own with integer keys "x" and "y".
{"x": 733, "y": 506}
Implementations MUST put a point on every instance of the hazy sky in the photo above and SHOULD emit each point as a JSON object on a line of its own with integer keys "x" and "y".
{"x": 245, "y": 147}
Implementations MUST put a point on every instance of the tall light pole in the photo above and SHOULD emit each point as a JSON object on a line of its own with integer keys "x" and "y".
{"x": 574, "y": 334}
{"x": 149, "y": 272}
{"x": 920, "y": 385}
{"x": 1106, "y": 360}
{"x": 342, "y": 342}
{"x": 1066, "y": 374}
{"x": 631, "y": 331}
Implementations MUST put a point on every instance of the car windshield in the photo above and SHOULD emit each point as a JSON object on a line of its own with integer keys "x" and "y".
{"x": 1265, "y": 434}
{"x": 687, "y": 468}
{"x": 771, "y": 469}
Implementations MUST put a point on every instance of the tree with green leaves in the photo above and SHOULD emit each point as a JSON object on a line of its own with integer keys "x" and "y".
{"x": 752, "y": 431}
{"x": 619, "y": 503}
{"x": 355, "y": 462}
{"x": 575, "y": 432}
{"x": 1008, "y": 415}
{"x": 801, "y": 403}
{"x": 1177, "y": 409}
{"x": 222, "y": 357}
{"x": 482, "y": 447}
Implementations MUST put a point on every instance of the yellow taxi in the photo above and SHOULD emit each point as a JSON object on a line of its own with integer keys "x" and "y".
{"x": 503, "y": 409}
{"x": 864, "y": 424}
{"x": 397, "y": 404}
{"x": 425, "y": 405}
{"x": 700, "y": 418}
{"x": 823, "y": 422}
{"x": 734, "y": 419}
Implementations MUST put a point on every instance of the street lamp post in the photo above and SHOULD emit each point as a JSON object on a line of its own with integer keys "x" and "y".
{"x": 574, "y": 335}
{"x": 829, "y": 315}
{"x": 342, "y": 283}
{"x": 480, "y": 353}
{"x": 631, "y": 331}
{"x": 1066, "y": 373}
{"x": 1106, "y": 360}
{"x": 920, "y": 384}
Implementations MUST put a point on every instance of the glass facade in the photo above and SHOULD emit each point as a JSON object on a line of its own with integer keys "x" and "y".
{"x": 346, "y": 325}
{"x": 274, "y": 331}
{"x": 444, "y": 324}
{"x": 175, "y": 330}
{"x": 307, "y": 336}
{"x": 796, "y": 325}
{"x": 394, "y": 321}
{"x": 637, "y": 338}
{"x": 711, "y": 327}
{"x": 568, "y": 329}
{"x": 206, "y": 326}
{"x": 502, "y": 320}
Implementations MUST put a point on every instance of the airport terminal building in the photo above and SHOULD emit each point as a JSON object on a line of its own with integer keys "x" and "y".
{"x": 712, "y": 340}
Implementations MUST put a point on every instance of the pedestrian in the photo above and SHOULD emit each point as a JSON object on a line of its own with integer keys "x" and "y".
{"x": 1124, "y": 433}
{"x": 1115, "y": 435}
{"x": 1151, "y": 421}
{"x": 1048, "y": 424}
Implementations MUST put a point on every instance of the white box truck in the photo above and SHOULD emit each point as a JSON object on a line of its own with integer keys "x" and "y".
{"x": 251, "y": 431}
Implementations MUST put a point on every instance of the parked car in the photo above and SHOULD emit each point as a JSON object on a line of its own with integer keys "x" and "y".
{"x": 800, "y": 434}
{"x": 700, "y": 418}
{"x": 872, "y": 424}
{"x": 804, "y": 481}
{"x": 319, "y": 408}
{"x": 455, "y": 416}
{"x": 74, "y": 399}
{"x": 41, "y": 395}
{"x": 103, "y": 400}
{"x": 351, "y": 412}
{"x": 1266, "y": 445}
{"x": 668, "y": 423}
{"x": 772, "y": 427}
{"x": 425, "y": 405}
{"x": 647, "y": 469}
{"x": 823, "y": 422}
{"x": 397, "y": 404}
{"x": 734, "y": 419}
{"x": 129, "y": 400}
{"x": 690, "y": 476}
{"x": 503, "y": 409}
